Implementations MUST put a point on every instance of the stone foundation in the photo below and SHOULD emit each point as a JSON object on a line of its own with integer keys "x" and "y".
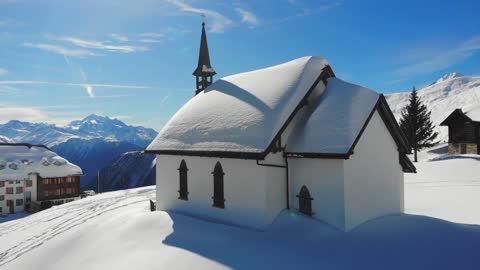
{"x": 455, "y": 148}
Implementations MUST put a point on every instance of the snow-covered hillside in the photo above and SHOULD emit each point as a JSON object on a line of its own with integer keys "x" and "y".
{"x": 92, "y": 126}
{"x": 129, "y": 170}
{"x": 93, "y": 155}
{"x": 448, "y": 93}
{"x": 116, "y": 230}
{"x": 4, "y": 139}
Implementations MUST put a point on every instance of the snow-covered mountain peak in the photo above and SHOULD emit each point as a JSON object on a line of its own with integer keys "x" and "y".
{"x": 449, "y": 76}
{"x": 442, "y": 98}
{"x": 4, "y": 139}
{"x": 92, "y": 126}
{"x": 94, "y": 119}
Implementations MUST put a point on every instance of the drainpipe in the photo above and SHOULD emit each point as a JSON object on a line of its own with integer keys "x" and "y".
{"x": 286, "y": 170}
{"x": 288, "y": 183}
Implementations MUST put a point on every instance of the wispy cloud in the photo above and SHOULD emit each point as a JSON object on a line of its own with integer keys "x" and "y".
{"x": 7, "y": 89}
{"x": 21, "y": 113}
{"x": 99, "y": 85}
{"x": 303, "y": 10}
{"x": 440, "y": 61}
{"x": 219, "y": 22}
{"x": 165, "y": 98}
{"x": 100, "y": 45}
{"x": 151, "y": 35}
{"x": 248, "y": 17}
{"x": 61, "y": 50}
{"x": 3, "y": 72}
{"x": 119, "y": 37}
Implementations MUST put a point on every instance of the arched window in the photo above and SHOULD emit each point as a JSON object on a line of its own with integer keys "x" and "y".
{"x": 218, "y": 196}
{"x": 305, "y": 201}
{"x": 183, "y": 181}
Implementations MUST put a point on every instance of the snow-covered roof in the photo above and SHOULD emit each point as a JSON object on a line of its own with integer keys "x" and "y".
{"x": 336, "y": 121}
{"x": 17, "y": 161}
{"x": 240, "y": 113}
{"x": 473, "y": 113}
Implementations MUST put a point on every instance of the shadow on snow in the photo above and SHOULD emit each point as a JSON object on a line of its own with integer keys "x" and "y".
{"x": 294, "y": 241}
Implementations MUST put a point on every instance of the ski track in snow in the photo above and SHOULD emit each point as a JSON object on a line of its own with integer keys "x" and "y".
{"x": 76, "y": 216}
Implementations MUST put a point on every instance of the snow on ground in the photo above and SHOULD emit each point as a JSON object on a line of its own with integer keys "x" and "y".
{"x": 116, "y": 230}
{"x": 446, "y": 187}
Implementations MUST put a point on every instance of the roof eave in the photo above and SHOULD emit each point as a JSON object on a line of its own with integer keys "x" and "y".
{"x": 219, "y": 154}
{"x": 317, "y": 155}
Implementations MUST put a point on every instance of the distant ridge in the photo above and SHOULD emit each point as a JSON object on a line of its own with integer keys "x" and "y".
{"x": 451, "y": 91}
{"x": 92, "y": 126}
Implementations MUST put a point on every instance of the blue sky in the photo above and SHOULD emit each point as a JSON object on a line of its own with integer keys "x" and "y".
{"x": 64, "y": 59}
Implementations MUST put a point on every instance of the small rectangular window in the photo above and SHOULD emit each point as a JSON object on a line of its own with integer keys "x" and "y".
{"x": 10, "y": 182}
{"x": 9, "y": 190}
{"x": 19, "y": 202}
{"x": 2, "y": 197}
{"x": 29, "y": 183}
{"x": 2, "y": 183}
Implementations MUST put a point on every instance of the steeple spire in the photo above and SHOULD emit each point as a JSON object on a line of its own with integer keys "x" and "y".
{"x": 204, "y": 72}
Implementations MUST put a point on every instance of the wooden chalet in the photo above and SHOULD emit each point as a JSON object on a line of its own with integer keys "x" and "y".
{"x": 463, "y": 132}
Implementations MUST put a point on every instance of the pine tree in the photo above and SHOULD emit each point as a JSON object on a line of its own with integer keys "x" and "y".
{"x": 416, "y": 124}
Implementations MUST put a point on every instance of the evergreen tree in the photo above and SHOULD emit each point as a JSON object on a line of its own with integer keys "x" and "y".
{"x": 416, "y": 124}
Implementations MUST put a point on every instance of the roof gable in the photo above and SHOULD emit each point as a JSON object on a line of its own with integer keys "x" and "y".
{"x": 336, "y": 121}
{"x": 242, "y": 113}
{"x": 459, "y": 116}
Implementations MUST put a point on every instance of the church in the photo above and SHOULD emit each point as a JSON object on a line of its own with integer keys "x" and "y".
{"x": 291, "y": 136}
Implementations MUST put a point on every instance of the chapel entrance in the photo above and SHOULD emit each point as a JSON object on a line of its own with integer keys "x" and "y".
{"x": 305, "y": 201}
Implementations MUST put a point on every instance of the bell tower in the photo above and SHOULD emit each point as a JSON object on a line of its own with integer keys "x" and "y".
{"x": 204, "y": 72}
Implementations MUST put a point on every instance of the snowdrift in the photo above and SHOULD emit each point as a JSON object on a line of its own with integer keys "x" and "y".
{"x": 116, "y": 230}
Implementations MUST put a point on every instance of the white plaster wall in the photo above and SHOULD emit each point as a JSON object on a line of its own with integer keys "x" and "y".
{"x": 276, "y": 185}
{"x": 324, "y": 180}
{"x": 245, "y": 188}
{"x": 14, "y": 197}
{"x": 373, "y": 176}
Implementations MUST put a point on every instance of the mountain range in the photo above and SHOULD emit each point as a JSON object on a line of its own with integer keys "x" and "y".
{"x": 92, "y": 126}
{"x": 97, "y": 144}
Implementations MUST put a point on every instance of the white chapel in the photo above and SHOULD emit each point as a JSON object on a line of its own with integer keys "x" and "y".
{"x": 290, "y": 136}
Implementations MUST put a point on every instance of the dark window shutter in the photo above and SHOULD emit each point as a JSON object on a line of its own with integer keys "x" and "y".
{"x": 305, "y": 201}
{"x": 218, "y": 189}
{"x": 183, "y": 172}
